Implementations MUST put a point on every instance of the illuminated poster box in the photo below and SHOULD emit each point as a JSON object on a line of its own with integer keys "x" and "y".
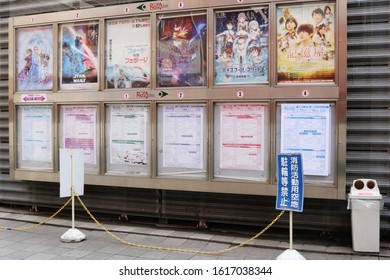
{"x": 306, "y": 43}
{"x": 241, "y": 46}
{"x": 35, "y": 137}
{"x": 79, "y": 63}
{"x": 128, "y": 53}
{"x": 182, "y": 50}
{"x": 34, "y": 59}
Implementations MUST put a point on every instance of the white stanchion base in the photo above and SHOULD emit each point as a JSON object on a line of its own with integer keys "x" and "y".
{"x": 73, "y": 235}
{"x": 290, "y": 254}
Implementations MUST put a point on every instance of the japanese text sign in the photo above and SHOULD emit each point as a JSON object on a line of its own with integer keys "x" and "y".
{"x": 290, "y": 183}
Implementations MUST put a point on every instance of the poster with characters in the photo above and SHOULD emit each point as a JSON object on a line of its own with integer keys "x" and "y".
{"x": 79, "y": 63}
{"x": 182, "y": 51}
{"x": 241, "y": 46}
{"x": 34, "y": 59}
{"x": 306, "y": 43}
{"x": 128, "y": 53}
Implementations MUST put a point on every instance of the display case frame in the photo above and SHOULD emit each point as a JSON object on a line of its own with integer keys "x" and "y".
{"x": 270, "y": 91}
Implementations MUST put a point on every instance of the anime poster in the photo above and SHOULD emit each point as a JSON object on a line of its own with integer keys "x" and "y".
{"x": 241, "y": 46}
{"x": 181, "y": 51}
{"x": 128, "y": 53}
{"x": 79, "y": 53}
{"x": 34, "y": 59}
{"x": 306, "y": 43}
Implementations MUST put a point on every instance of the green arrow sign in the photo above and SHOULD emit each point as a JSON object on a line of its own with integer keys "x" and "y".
{"x": 141, "y": 7}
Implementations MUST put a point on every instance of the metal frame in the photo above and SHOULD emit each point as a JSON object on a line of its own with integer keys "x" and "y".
{"x": 271, "y": 93}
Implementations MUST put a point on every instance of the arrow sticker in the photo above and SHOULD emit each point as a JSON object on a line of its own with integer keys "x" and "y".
{"x": 34, "y": 97}
{"x": 163, "y": 94}
{"x": 141, "y": 7}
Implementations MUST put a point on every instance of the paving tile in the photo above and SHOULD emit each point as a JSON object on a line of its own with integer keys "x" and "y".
{"x": 111, "y": 249}
{"x": 6, "y": 251}
{"x": 173, "y": 242}
{"x": 36, "y": 248}
{"x": 204, "y": 257}
{"x": 19, "y": 255}
{"x": 133, "y": 251}
{"x": 316, "y": 248}
{"x": 339, "y": 249}
{"x": 178, "y": 256}
{"x": 155, "y": 255}
{"x": 202, "y": 236}
{"x": 6, "y": 243}
{"x": 96, "y": 256}
{"x": 212, "y": 246}
{"x": 77, "y": 254}
{"x": 223, "y": 238}
{"x": 58, "y": 251}
{"x": 41, "y": 256}
{"x": 121, "y": 257}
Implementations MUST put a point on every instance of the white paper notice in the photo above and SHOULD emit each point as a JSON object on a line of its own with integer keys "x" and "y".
{"x": 305, "y": 129}
{"x": 71, "y": 172}
{"x": 242, "y": 136}
{"x": 36, "y": 133}
{"x": 128, "y": 135}
{"x": 183, "y": 136}
{"x": 80, "y": 130}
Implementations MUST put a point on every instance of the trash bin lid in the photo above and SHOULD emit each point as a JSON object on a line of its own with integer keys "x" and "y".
{"x": 365, "y": 189}
{"x": 365, "y": 194}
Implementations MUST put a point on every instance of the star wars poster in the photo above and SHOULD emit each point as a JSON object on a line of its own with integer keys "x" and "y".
{"x": 34, "y": 59}
{"x": 241, "y": 46}
{"x": 128, "y": 51}
{"x": 181, "y": 51}
{"x": 79, "y": 56}
{"x": 306, "y": 43}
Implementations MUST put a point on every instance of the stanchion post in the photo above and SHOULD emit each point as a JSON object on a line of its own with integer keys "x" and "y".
{"x": 291, "y": 230}
{"x": 73, "y": 234}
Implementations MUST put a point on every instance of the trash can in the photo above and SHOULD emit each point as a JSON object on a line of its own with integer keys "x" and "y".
{"x": 365, "y": 202}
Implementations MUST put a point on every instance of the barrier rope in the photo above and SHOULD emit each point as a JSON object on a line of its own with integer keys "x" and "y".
{"x": 40, "y": 223}
{"x": 141, "y": 245}
{"x": 176, "y": 249}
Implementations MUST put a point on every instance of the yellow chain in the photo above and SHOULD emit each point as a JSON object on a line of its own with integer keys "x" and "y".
{"x": 40, "y": 223}
{"x": 175, "y": 249}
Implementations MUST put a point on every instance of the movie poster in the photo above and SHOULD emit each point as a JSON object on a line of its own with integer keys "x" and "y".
{"x": 128, "y": 53}
{"x": 306, "y": 43}
{"x": 241, "y": 46}
{"x": 79, "y": 56}
{"x": 182, "y": 51}
{"x": 34, "y": 59}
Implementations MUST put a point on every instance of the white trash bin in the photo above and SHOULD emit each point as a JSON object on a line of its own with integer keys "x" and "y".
{"x": 365, "y": 202}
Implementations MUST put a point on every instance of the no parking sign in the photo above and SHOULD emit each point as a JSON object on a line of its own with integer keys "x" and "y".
{"x": 290, "y": 183}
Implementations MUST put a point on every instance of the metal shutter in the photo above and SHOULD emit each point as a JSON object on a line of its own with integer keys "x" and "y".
{"x": 368, "y": 125}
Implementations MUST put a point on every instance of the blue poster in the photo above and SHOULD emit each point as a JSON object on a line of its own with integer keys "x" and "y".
{"x": 290, "y": 190}
{"x": 241, "y": 46}
{"x": 79, "y": 60}
{"x": 34, "y": 59}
